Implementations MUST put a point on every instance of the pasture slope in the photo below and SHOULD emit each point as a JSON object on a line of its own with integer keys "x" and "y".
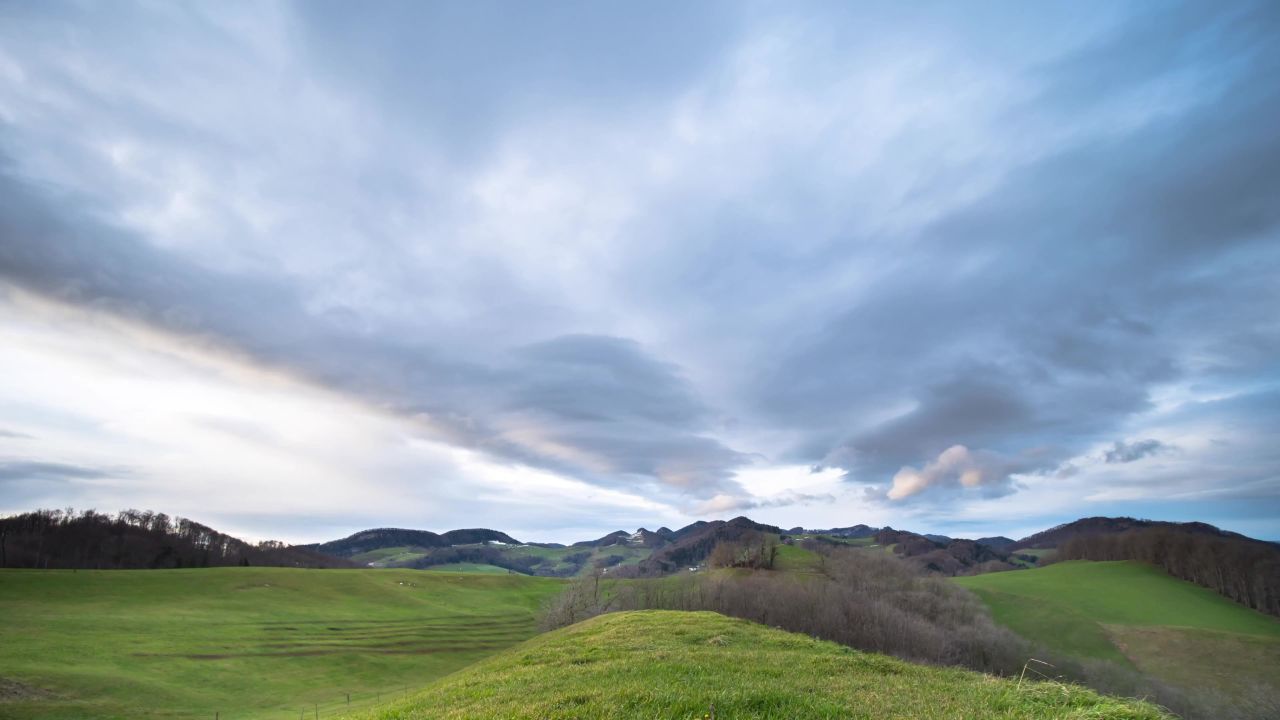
{"x": 530, "y": 559}
{"x": 667, "y": 664}
{"x": 470, "y": 568}
{"x": 1136, "y": 614}
{"x": 245, "y": 642}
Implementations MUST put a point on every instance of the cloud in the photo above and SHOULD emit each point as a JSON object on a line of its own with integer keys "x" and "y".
{"x": 1122, "y": 452}
{"x": 959, "y": 469}
{"x": 646, "y": 260}
{"x": 596, "y": 407}
{"x": 724, "y": 503}
{"x": 34, "y": 470}
{"x": 1014, "y": 321}
{"x": 13, "y": 434}
{"x": 516, "y": 60}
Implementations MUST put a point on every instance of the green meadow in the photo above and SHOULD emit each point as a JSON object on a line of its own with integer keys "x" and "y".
{"x": 685, "y": 666}
{"x": 470, "y": 568}
{"x": 793, "y": 558}
{"x": 553, "y": 559}
{"x": 246, "y": 642}
{"x": 1138, "y": 615}
{"x": 459, "y": 642}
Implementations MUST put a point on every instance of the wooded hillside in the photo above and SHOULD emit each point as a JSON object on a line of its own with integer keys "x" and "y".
{"x": 136, "y": 539}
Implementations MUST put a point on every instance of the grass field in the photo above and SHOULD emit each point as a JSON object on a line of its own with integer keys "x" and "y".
{"x": 1042, "y": 554}
{"x": 793, "y": 558}
{"x": 245, "y": 642}
{"x": 672, "y": 665}
{"x": 855, "y": 542}
{"x": 1138, "y": 615}
{"x": 389, "y": 556}
{"x": 470, "y": 568}
{"x": 553, "y": 559}
{"x": 1122, "y": 593}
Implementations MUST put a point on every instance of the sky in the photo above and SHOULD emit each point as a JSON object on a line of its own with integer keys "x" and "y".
{"x": 295, "y": 270}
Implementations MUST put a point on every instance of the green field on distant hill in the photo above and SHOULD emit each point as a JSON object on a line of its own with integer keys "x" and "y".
{"x": 793, "y": 558}
{"x": 663, "y": 664}
{"x": 1137, "y": 614}
{"x": 552, "y": 559}
{"x": 470, "y": 568}
{"x": 245, "y": 642}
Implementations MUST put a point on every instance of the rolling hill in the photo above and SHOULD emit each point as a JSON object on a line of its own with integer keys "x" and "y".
{"x": 134, "y": 539}
{"x": 647, "y": 553}
{"x": 930, "y": 553}
{"x": 643, "y": 552}
{"x": 1060, "y": 534}
{"x": 1136, "y": 614}
{"x": 692, "y": 544}
{"x": 245, "y": 642}
{"x": 666, "y": 664}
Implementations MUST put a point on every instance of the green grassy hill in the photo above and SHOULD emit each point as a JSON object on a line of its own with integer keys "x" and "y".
{"x": 674, "y": 665}
{"x": 561, "y": 562}
{"x": 470, "y": 568}
{"x": 793, "y": 558}
{"x": 245, "y": 642}
{"x": 1137, "y": 614}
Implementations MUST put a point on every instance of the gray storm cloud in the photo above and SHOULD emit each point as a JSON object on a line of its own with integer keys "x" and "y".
{"x": 51, "y": 471}
{"x": 646, "y": 246}
{"x": 1122, "y": 452}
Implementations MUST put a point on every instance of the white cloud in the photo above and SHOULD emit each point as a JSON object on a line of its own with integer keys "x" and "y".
{"x": 189, "y": 428}
{"x": 958, "y": 468}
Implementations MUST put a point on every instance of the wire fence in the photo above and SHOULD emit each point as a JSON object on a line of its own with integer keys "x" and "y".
{"x": 349, "y": 702}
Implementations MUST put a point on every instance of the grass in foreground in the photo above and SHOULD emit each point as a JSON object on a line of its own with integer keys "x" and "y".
{"x": 675, "y": 665}
{"x": 244, "y": 642}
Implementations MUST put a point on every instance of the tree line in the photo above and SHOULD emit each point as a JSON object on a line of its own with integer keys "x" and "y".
{"x": 1244, "y": 570}
{"x": 136, "y": 539}
{"x": 755, "y": 550}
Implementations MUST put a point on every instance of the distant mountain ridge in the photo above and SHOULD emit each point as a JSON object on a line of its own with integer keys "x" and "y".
{"x": 640, "y": 538}
{"x": 145, "y": 539}
{"x": 378, "y": 538}
{"x": 1057, "y": 535}
{"x": 692, "y": 544}
{"x": 854, "y": 531}
{"x": 669, "y": 550}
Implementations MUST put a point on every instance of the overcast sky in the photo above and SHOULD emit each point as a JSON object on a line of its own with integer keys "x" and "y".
{"x": 295, "y": 270}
